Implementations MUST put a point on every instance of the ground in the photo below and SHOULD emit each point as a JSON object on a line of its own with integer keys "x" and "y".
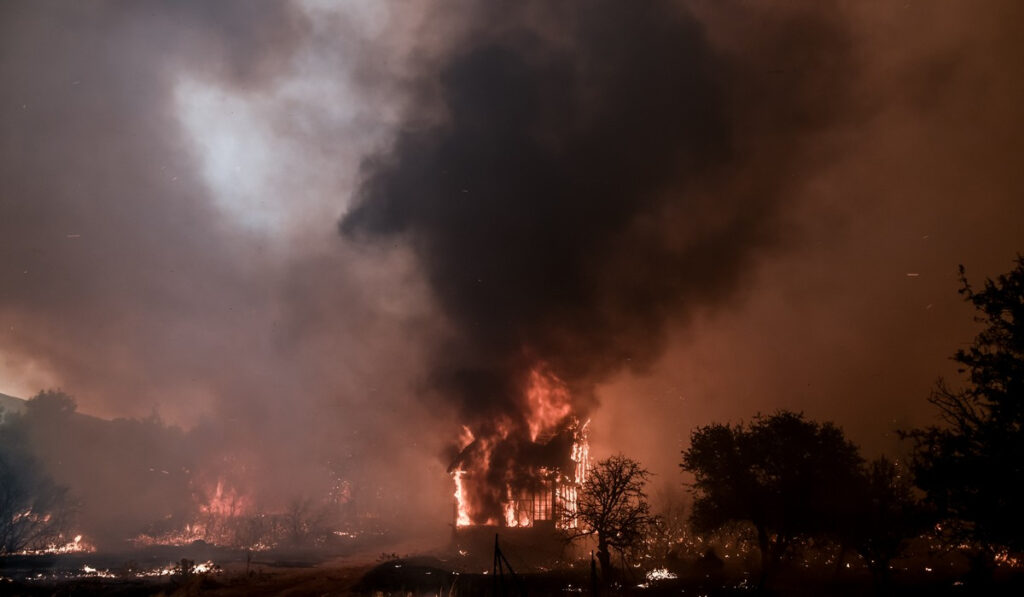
{"x": 410, "y": 568}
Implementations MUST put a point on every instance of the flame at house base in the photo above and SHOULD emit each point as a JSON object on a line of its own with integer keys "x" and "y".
{"x": 540, "y": 478}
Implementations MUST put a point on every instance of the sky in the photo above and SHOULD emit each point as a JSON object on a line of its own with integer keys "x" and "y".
{"x": 324, "y": 219}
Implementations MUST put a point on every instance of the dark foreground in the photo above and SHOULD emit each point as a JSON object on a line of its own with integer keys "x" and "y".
{"x": 203, "y": 570}
{"x": 421, "y": 579}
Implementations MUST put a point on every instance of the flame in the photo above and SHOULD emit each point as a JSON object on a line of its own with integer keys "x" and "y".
{"x": 551, "y": 495}
{"x": 466, "y": 437}
{"x": 77, "y": 545}
{"x": 222, "y": 517}
{"x": 548, "y": 399}
{"x": 569, "y": 493}
{"x": 225, "y": 502}
{"x": 462, "y": 508}
{"x": 514, "y": 517}
{"x": 553, "y": 498}
{"x": 127, "y": 572}
{"x": 510, "y": 513}
{"x": 581, "y": 455}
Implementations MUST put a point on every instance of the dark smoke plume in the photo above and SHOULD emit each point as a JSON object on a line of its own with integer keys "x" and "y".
{"x": 581, "y": 188}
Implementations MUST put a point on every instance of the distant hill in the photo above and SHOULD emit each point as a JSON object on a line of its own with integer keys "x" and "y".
{"x": 10, "y": 404}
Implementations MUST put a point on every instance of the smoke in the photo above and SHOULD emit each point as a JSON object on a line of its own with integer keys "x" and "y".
{"x": 690, "y": 211}
{"x": 590, "y": 172}
{"x": 138, "y": 141}
{"x": 575, "y": 180}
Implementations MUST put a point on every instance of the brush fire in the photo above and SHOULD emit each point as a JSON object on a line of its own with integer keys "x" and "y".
{"x": 226, "y": 517}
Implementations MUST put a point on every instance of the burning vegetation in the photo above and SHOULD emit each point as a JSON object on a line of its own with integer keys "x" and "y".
{"x": 778, "y": 498}
{"x": 230, "y": 519}
{"x": 144, "y": 484}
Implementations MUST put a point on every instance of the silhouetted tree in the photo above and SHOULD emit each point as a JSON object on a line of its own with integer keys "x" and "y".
{"x": 126, "y": 475}
{"x": 886, "y": 515}
{"x": 48, "y": 404}
{"x": 668, "y": 531}
{"x": 303, "y": 521}
{"x": 788, "y": 477}
{"x": 614, "y": 508}
{"x": 35, "y": 512}
{"x": 972, "y": 467}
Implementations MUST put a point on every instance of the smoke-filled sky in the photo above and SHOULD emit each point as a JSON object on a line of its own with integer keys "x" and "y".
{"x": 333, "y": 220}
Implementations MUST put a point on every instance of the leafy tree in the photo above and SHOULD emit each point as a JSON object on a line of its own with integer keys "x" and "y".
{"x": 53, "y": 404}
{"x": 972, "y": 466}
{"x": 303, "y": 521}
{"x": 35, "y": 512}
{"x": 788, "y": 477}
{"x": 613, "y": 507}
{"x": 885, "y": 517}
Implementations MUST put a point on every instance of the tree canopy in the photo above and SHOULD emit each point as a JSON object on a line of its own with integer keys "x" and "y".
{"x": 972, "y": 465}
{"x": 885, "y": 516}
{"x": 614, "y": 507}
{"x": 789, "y": 477}
{"x": 35, "y": 511}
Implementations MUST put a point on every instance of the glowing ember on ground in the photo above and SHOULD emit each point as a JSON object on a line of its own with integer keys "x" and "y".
{"x": 1005, "y": 559}
{"x": 182, "y": 568}
{"x": 660, "y": 574}
{"x": 185, "y": 536}
{"x": 76, "y": 545}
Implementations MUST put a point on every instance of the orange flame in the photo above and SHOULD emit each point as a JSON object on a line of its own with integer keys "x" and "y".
{"x": 466, "y": 437}
{"x": 549, "y": 411}
{"x": 510, "y": 514}
{"x": 549, "y": 401}
{"x": 462, "y": 508}
{"x": 225, "y": 502}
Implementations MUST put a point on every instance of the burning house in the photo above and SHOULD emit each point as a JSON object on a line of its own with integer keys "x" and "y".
{"x": 528, "y": 474}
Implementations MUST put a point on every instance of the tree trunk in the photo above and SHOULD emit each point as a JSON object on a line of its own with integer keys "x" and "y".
{"x": 982, "y": 567}
{"x": 605, "y": 557}
{"x": 764, "y": 544}
{"x": 840, "y": 559}
{"x": 879, "y": 575}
